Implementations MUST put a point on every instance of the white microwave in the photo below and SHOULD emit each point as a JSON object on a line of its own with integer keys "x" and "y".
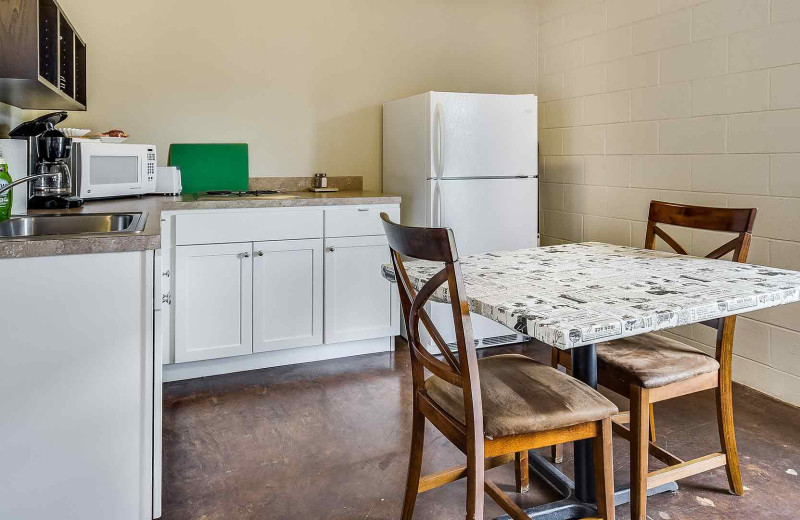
{"x": 105, "y": 170}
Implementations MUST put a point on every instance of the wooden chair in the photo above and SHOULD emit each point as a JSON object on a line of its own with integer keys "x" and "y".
{"x": 650, "y": 368}
{"x": 493, "y": 410}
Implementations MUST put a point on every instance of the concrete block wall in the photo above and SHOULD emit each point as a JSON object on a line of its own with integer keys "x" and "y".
{"x": 687, "y": 101}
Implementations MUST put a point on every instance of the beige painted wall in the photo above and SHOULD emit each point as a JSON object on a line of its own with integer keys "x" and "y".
{"x": 301, "y": 81}
{"x": 689, "y": 101}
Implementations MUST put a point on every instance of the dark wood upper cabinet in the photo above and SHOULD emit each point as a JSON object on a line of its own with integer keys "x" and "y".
{"x": 42, "y": 57}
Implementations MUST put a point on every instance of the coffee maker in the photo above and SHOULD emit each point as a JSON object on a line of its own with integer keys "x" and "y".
{"x": 48, "y": 154}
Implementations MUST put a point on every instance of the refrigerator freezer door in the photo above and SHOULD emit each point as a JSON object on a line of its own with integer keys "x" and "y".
{"x": 490, "y": 214}
{"x": 483, "y": 135}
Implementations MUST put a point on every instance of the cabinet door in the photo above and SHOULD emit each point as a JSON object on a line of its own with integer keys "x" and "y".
{"x": 359, "y": 302}
{"x": 213, "y": 301}
{"x": 287, "y": 294}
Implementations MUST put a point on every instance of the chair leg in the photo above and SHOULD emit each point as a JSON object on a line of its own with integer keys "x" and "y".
{"x": 604, "y": 471}
{"x": 652, "y": 423}
{"x": 557, "y": 453}
{"x": 640, "y": 412}
{"x": 475, "y": 486}
{"x": 521, "y": 472}
{"x": 556, "y": 450}
{"x": 414, "y": 463}
{"x": 727, "y": 435}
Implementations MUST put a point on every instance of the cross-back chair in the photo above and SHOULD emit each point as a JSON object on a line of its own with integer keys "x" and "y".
{"x": 650, "y": 368}
{"x": 495, "y": 409}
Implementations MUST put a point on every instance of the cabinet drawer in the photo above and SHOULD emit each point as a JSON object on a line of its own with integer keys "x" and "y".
{"x": 247, "y": 226}
{"x": 358, "y": 220}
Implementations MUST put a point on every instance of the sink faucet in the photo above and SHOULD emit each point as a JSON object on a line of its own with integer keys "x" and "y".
{"x": 29, "y": 178}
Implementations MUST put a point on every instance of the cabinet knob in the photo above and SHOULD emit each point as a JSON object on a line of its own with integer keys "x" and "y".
{"x": 331, "y": 249}
{"x": 259, "y": 253}
{"x": 245, "y": 255}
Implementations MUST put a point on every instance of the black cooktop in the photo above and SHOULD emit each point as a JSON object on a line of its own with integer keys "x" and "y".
{"x": 228, "y": 193}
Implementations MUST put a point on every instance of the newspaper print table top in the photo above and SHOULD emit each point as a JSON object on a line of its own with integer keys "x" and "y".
{"x": 577, "y": 294}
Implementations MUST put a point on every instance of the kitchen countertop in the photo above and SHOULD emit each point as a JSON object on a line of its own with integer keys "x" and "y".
{"x": 304, "y": 198}
{"x": 150, "y": 236}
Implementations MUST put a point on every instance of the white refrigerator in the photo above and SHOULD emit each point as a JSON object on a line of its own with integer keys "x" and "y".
{"x": 468, "y": 162}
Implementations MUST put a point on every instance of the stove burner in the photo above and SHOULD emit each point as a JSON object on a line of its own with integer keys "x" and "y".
{"x": 229, "y": 193}
{"x": 256, "y": 193}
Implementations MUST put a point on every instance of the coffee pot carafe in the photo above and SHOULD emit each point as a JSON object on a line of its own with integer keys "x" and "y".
{"x": 56, "y": 180}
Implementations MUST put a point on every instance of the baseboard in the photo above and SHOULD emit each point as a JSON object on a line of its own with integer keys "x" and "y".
{"x": 214, "y": 367}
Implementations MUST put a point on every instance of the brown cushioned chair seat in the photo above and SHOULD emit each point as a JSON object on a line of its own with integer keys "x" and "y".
{"x": 520, "y": 395}
{"x": 652, "y": 361}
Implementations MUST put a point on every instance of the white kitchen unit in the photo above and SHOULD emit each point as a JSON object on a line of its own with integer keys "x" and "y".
{"x": 251, "y": 288}
{"x": 79, "y": 379}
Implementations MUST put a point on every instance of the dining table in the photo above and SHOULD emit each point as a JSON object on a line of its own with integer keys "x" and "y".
{"x": 576, "y": 295}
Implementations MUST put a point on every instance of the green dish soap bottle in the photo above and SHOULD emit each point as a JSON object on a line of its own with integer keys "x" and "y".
{"x": 6, "y": 198}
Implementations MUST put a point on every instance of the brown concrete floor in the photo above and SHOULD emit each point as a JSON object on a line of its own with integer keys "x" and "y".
{"x": 329, "y": 440}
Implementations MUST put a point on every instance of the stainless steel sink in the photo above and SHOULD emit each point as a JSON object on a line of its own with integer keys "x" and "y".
{"x": 73, "y": 224}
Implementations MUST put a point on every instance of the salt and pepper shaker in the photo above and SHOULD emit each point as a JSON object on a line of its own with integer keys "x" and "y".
{"x": 320, "y": 180}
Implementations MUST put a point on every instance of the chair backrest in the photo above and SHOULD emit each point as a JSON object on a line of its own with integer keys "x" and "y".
{"x": 711, "y": 219}
{"x": 700, "y": 217}
{"x": 461, "y": 370}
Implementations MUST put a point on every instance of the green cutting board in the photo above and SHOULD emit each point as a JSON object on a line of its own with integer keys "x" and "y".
{"x": 208, "y": 167}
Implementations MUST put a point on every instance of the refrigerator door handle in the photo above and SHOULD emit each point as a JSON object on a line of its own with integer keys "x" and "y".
{"x": 438, "y": 157}
{"x": 440, "y": 198}
{"x": 436, "y": 205}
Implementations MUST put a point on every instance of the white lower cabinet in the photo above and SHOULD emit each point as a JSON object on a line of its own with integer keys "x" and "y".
{"x": 77, "y": 378}
{"x": 359, "y": 302}
{"x": 235, "y": 299}
{"x": 287, "y": 294}
{"x": 213, "y": 301}
{"x": 292, "y": 285}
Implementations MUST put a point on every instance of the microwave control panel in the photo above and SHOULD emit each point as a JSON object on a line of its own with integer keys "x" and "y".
{"x": 150, "y": 169}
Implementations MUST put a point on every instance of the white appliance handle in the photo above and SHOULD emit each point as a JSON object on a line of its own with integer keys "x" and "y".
{"x": 436, "y": 205}
{"x": 438, "y": 158}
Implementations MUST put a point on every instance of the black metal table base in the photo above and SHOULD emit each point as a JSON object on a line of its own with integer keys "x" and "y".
{"x": 569, "y": 506}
